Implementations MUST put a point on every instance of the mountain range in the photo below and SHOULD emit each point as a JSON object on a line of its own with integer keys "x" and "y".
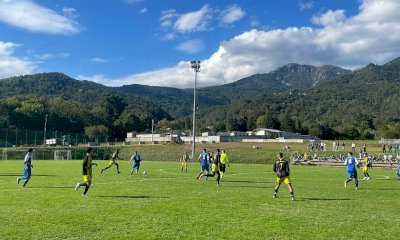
{"x": 326, "y": 101}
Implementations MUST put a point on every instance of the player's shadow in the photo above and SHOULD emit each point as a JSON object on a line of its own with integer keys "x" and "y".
{"x": 55, "y": 187}
{"x": 250, "y": 186}
{"x": 244, "y": 181}
{"x": 11, "y": 175}
{"x": 21, "y": 174}
{"x": 135, "y": 197}
{"x": 323, "y": 199}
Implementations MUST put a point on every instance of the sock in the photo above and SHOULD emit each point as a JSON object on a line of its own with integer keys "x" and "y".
{"x": 86, "y": 189}
{"x": 26, "y": 182}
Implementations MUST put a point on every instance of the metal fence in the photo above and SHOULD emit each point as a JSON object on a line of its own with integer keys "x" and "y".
{"x": 25, "y": 138}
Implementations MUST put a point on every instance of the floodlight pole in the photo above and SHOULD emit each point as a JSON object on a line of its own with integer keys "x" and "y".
{"x": 45, "y": 128}
{"x": 196, "y": 67}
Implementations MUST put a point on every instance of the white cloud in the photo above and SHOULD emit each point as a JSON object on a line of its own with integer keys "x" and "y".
{"x": 194, "y": 21}
{"x": 231, "y": 14}
{"x": 330, "y": 18}
{"x": 254, "y": 22}
{"x": 70, "y": 12}
{"x": 98, "y": 60}
{"x": 189, "y": 22}
{"x": 191, "y": 46}
{"x": 64, "y": 55}
{"x": 44, "y": 56}
{"x": 167, "y": 18}
{"x": 305, "y": 5}
{"x": 143, "y": 11}
{"x": 11, "y": 65}
{"x": 28, "y": 15}
{"x": 132, "y": 1}
{"x": 373, "y": 35}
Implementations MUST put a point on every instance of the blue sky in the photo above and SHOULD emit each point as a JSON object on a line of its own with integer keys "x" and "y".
{"x": 151, "y": 42}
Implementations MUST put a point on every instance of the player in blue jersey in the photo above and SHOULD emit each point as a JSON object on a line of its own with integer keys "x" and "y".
{"x": 214, "y": 167}
{"x": 136, "y": 158}
{"x": 398, "y": 172}
{"x": 27, "y": 168}
{"x": 203, "y": 159}
{"x": 351, "y": 163}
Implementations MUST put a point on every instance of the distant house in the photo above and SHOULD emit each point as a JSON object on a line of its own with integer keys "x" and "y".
{"x": 258, "y": 135}
{"x": 268, "y": 133}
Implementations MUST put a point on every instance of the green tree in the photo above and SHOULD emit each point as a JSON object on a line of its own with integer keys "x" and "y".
{"x": 97, "y": 131}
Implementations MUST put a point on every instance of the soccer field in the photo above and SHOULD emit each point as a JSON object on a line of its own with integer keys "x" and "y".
{"x": 168, "y": 204}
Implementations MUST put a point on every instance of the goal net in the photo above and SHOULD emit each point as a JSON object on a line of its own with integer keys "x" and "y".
{"x": 62, "y": 155}
{"x": 12, "y": 154}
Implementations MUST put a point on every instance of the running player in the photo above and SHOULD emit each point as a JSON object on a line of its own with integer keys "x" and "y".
{"x": 136, "y": 158}
{"x": 282, "y": 170}
{"x": 365, "y": 167}
{"x": 184, "y": 161}
{"x": 224, "y": 161}
{"x": 351, "y": 162}
{"x": 27, "y": 168}
{"x": 214, "y": 167}
{"x": 203, "y": 159}
{"x": 113, "y": 161}
{"x": 86, "y": 172}
{"x": 398, "y": 172}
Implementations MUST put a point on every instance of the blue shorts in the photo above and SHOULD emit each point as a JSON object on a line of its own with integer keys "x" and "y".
{"x": 136, "y": 165}
{"x": 27, "y": 172}
{"x": 352, "y": 174}
{"x": 205, "y": 167}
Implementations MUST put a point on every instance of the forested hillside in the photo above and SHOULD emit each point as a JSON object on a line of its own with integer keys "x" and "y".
{"x": 363, "y": 105}
{"x": 72, "y": 106}
{"x": 327, "y": 102}
{"x": 179, "y": 102}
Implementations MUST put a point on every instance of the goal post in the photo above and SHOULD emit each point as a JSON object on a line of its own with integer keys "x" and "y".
{"x": 62, "y": 155}
{"x": 12, "y": 154}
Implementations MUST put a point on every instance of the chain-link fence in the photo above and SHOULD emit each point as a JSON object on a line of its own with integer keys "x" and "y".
{"x": 25, "y": 138}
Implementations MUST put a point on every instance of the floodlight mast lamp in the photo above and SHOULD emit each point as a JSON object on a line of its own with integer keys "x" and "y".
{"x": 196, "y": 67}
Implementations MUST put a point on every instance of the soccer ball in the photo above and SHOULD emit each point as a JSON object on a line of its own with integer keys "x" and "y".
{"x": 144, "y": 172}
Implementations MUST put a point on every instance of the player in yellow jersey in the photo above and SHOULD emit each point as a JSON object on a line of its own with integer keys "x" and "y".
{"x": 365, "y": 167}
{"x": 281, "y": 167}
{"x": 86, "y": 172}
{"x": 113, "y": 161}
{"x": 224, "y": 161}
{"x": 184, "y": 161}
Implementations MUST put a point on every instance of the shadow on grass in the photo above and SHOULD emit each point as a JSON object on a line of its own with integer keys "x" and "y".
{"x": 135, "y": 197}
{"x": 244, "y": 181}
{"x": 323, "y": 199}
{"x": 250, "y": 186}
{"x": 21, "y": 174}
{"x": 57, "y": 187}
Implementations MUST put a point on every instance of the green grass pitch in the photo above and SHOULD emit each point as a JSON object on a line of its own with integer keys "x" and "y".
{"x": 169, "y": 204}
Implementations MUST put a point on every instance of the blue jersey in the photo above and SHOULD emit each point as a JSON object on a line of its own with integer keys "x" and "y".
{"x": 204, "y": 158}
{"x": 351, "y": 163}
{"x": 28, "y": 160}
{"x": 136, "y": 158}
{"x": 398, "y": 171}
